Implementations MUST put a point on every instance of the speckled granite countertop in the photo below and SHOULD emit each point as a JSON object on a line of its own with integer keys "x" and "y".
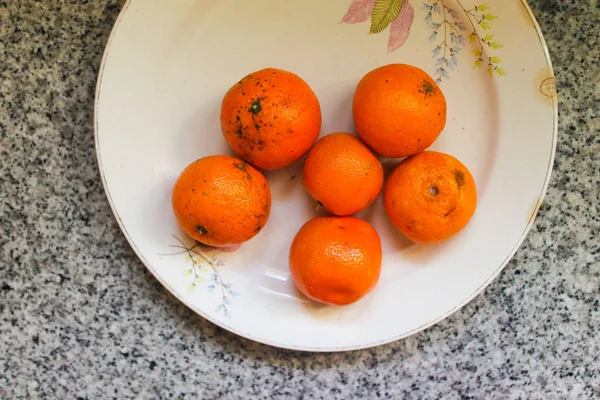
{"x": 81, "y": 317}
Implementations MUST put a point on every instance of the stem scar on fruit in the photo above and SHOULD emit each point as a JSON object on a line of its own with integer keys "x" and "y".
{"x": 255, "y": 107}
{"x": 427, "y": 88}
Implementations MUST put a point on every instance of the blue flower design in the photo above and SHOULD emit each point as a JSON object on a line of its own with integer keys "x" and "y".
{"x": 453, "y": 36}
{"x": 200, "y": 261}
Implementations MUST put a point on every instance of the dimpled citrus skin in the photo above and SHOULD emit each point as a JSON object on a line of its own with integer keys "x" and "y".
{"x": 398, "y": 110}
{"x": 221, "y": 201}
{"x": 271, "y": 118}
{"x": 430, "y": 197}
{"x": 336, "y": 260}
{"x": 342, "y": 174}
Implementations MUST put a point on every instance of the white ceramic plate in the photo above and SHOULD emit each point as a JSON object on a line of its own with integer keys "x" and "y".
{"x": 169, "y": 62}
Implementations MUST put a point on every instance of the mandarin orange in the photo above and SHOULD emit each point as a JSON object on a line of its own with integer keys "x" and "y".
{"x": 398, "y": 110}
{"x": 342, "y": 174}
{"x": 430, "y": 197}
{"x": 271, "y": 118}
{"x": 221, "y": 201}
{"x": 336, "y": 260}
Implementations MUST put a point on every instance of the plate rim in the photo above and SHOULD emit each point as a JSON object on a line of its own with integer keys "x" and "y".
{"x": 404, "y": 335}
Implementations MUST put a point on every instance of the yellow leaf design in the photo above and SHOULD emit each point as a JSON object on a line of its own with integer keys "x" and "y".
{"x": 384, "y": 13}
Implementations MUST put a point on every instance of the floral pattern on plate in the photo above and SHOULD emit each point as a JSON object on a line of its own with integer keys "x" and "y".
{"x": 452, "y": 25}
{"x": 201, "y": 265}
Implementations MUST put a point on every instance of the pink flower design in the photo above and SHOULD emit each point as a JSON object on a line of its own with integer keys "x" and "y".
{"x": 400, "y": 28}
{"x": 359, "y": 11}
{"x": 398, "y": 14}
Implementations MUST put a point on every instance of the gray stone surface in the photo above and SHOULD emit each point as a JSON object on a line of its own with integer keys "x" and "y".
{"x": 80, "y": 317}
